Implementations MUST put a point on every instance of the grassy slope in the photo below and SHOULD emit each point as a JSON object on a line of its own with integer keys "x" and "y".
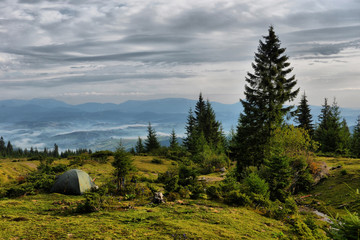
{"x": 45, "y": 216}
{"x": 10, "y": 171}
{"x": 339, "y": 189}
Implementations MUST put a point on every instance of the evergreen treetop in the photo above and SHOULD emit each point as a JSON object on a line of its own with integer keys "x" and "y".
{"x": 173, "y": 140}
{"x": 151, "y": 142}
{"x": 303, "y": 115}
{"x": 139, "y": 148}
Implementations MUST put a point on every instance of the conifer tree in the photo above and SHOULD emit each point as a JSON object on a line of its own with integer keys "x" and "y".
{"x": 212, "y": 128}
{"x": 56, "y": 151}
{"x": 191, "y": 136}
{"x": 123, "y": 165}
{"x": 2, "y": 147}
{"x": 9, "y": 149}
{"x": 303, "y": 116}
{"x": 200, "y": 114}
{"x": 355, "y": 140}
{"x": 329, "y": 129}
{"x": 344, "y": 145}
{"x": 173, "y": 140}
{"x": 151, "y": 142}
{"x": 139, "y": 148}
{"x": 266, "y": 91}
{"x": 203, "y": 124}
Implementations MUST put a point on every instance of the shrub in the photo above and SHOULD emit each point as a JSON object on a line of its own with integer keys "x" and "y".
{"x": 259, "y": 200}
{"x": 214, "y": 192}
{"x": 282, "y": 211}
{"x": 92, "y": 203}
{"x": 157, "y": 161}
{"x": 301, "y": 229}
{"x": 237, "y": 198}
{"x": 20, "y": 190}
{"x": 184, "y": 192}
{"x": 101, "y": 156}
{"x": 254, "y": 184}
{"x": 173, "y": 196}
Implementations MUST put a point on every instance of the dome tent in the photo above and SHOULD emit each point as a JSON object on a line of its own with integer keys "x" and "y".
{"x": 73, "y": 182}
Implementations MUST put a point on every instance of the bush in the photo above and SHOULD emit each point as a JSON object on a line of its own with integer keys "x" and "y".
{"x": 20, "y": 190}
{"x": 184, "y": 192}
{"x": 254, "y": 184}
{"x": 101, "y": 156}
{"x": 259, "y": 200}
{"x": 237, "y": 198}
{"x": 214, "y": 192}
{"x": 301, "y": 229}
{"x": 157, "y": 161}
{"x": 282, "y": 211}
{"x": 173, "y": 196}
{"x": 92, "y": 203}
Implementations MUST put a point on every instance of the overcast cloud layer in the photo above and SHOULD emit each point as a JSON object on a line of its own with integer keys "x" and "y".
{"x": 112, "y": 51}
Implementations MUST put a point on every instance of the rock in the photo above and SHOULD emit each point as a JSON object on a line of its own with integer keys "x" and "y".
{"x": 158, "y": 198}
{"x": 322, "y": 173}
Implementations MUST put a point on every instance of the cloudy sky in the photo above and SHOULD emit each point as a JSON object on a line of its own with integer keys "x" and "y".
{"x": 114, "y": 50}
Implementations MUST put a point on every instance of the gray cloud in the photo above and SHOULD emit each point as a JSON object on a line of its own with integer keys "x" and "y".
{"x": 53, "y": 43}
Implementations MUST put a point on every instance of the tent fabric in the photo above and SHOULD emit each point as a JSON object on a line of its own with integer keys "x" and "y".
{"x": 73, "y": 182}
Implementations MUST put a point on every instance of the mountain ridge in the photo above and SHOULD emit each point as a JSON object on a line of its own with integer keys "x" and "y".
{"x": 43, "y": 122}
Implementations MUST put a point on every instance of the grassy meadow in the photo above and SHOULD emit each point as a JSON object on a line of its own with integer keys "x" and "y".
{"x": 53, "y": 216}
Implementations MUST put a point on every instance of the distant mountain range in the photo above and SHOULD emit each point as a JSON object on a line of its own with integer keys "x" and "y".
{"x": 43, "y": 122}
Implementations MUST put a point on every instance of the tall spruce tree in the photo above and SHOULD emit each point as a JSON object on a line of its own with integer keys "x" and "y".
{"x": 303, "y": 116}
{"x": 266, "y": 91}
{"x": 151, "y": 142}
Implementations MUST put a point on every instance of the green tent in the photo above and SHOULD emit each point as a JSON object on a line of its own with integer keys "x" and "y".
{"x": 73, "y": 182}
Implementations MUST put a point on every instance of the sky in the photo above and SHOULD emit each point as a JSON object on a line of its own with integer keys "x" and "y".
{"x": 113, "y": 51}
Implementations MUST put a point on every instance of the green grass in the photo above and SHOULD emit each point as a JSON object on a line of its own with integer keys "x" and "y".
{"x": 53, "y": 216}
{"x": 41, "y": 217}
{"x": 12, "y": 169}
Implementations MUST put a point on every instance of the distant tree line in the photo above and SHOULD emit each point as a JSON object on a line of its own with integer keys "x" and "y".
{"x": 7, "y": 150}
